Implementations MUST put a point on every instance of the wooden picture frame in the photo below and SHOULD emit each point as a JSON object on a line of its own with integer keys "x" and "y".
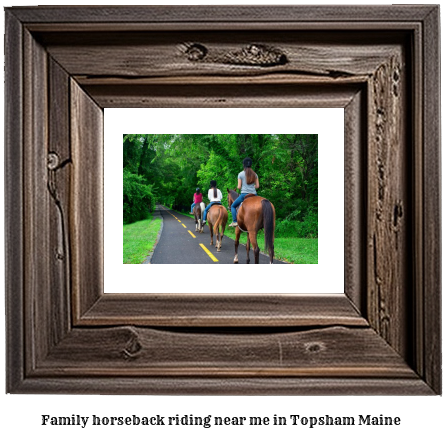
{"x": 65, "y": 64}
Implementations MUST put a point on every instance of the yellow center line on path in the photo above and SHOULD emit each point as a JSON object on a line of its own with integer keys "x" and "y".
{"x": 179, "y": 220}
{"x": 184, "y": 225}
{"x": 191, "y": 234}
{"x": 208, "y": 252}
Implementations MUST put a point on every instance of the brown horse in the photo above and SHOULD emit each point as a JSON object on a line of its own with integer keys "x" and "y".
{"x": 198, "y": 216}
{"x": 217, "y": 218}
{"x": 255, "y": 213}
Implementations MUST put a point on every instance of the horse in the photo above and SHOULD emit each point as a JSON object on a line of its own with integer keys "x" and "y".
{"x": 217, "y": 218}
{"x": 198, "y": 216}
{"x": 255, "y": 213}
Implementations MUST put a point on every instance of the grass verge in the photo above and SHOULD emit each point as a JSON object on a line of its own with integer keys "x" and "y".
{"x": 139, "y": 239}
{"x": 289, "y": 249}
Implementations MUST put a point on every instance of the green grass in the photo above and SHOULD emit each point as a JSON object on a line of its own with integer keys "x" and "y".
{"x": 139, "y": 239}
{"x": 289, "y": 249}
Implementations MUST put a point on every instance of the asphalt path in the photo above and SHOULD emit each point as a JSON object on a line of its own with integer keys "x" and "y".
{"x": 180, "y": 244}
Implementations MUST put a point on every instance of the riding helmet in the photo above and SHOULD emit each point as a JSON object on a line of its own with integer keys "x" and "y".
{"x": 247, "y": 162}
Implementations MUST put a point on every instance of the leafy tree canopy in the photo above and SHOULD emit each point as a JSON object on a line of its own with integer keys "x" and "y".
{"x": 173, "y": 165}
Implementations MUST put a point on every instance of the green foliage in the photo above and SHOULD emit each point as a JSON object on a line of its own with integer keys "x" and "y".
{"x": 173, "y": 165}
{"x": 306, "y": 228}
{"x": 138, "y": 199}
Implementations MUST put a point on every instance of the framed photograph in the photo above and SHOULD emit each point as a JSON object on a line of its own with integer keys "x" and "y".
{"x": 378, "y": 331}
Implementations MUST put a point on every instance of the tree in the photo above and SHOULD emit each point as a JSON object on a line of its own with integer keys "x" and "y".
{"x": 173, "y": 165}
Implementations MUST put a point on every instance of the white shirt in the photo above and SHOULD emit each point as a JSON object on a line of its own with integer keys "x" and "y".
{"x": 211, "y": 195}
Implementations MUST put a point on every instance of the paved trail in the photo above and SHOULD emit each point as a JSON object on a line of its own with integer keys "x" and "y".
{"x": 179, "y": 243}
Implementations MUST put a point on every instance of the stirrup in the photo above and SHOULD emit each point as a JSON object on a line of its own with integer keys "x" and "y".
{"x": 233, "y": 224}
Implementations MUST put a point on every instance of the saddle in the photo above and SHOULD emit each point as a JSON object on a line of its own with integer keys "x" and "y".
{"x": 215, "y": 203}
{"x": 246, "y": 197}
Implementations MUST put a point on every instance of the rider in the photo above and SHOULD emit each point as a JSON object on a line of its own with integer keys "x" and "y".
{"x": 247, "y": 182}
{"x": 198, "y": 197}
{"x": 215, "y": 196}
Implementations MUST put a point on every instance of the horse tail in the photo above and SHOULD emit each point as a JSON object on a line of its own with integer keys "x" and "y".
{"x": 268, "y": 225}
{"x": 219, "y": 220}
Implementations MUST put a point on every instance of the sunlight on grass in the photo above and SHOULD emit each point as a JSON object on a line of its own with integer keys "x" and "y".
{"x": 139, "y": 239}
{"x": 289, "y": 249}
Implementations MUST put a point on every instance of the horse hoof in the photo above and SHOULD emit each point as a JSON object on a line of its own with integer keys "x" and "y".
{"x": 235, "y": 261}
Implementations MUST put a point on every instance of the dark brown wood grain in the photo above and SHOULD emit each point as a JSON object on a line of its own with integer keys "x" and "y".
{"x": 163, "y": 54}
{"x": 38, "y": 307}
{"x": 430, "y": 318}
{"x": 247, "y": 310}
{"x": 59, "y": 168}
{"x": 388, "y": 203}
{"x": 355, "y": 187}
{"x": 230, "y": 95}
{"x": 86, "y": 205}
{"x": 129, "y": 350}
{"x": 64, "y": 65}
{"x": 14, "y": 239}
{"x": 226, "y": 15}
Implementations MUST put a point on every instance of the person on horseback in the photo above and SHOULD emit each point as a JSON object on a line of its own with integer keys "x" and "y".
{"x": 215, "y": 196}
{"x": 248, "y": 183}
{"x": 198, "y": 197}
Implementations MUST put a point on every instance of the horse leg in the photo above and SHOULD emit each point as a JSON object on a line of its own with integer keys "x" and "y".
{"x": 223, "y": 226}
{"x": 215, "y": 235}
{"x": 218, "y": 243}
{"x": 219, "y": 239}
{"x": 212, "y": 234}
{"x": 248, "y": 245}
{"x": 237, "y": 239}
{"x": 253, "y": 237}
{"x": 219, "y": 228}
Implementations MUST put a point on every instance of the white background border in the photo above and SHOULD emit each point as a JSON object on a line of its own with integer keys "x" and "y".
{"x": 326, "y": 277}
